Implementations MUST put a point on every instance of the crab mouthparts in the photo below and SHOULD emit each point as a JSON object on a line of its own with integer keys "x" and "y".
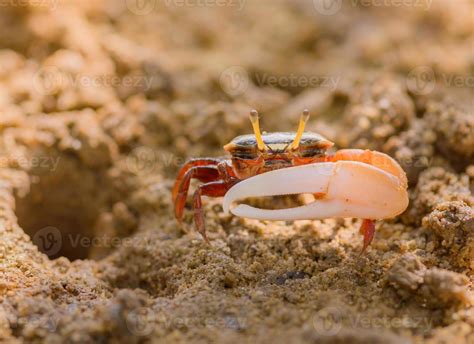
{"x": 350, "y": 189}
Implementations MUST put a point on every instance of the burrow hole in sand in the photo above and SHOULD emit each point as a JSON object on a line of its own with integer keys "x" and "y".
{"x": 65, "y": 201}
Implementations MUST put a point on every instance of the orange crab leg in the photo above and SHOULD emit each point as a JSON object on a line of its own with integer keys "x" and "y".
{"x": 186, "y": 167}
{"x": 202, "y": 173}
{"x": 367, "y": 229}
{"x": 218, "y": 176}
{"x": 212, "y": 189}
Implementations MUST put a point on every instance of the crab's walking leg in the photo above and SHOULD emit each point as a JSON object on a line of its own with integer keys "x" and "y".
{"x": 212, "y": 189}
{"x": 367, "y": 229}
{"x": 218, "y": 176}
{"x": 202, "y": 173}
{"x": 187, "y": 166}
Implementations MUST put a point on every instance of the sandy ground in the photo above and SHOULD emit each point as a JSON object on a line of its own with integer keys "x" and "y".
{"x": 102, "y": 101}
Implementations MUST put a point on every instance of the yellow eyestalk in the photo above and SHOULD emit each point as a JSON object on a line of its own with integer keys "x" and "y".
{"x": 303, "y": 119}
{"x": 256, "y": 128}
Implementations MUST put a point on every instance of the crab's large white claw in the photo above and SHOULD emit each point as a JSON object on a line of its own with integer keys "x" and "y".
{"x": 351, "y": 188}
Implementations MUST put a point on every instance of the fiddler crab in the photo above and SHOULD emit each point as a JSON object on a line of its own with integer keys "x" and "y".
{"x": 350, "y": 183}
